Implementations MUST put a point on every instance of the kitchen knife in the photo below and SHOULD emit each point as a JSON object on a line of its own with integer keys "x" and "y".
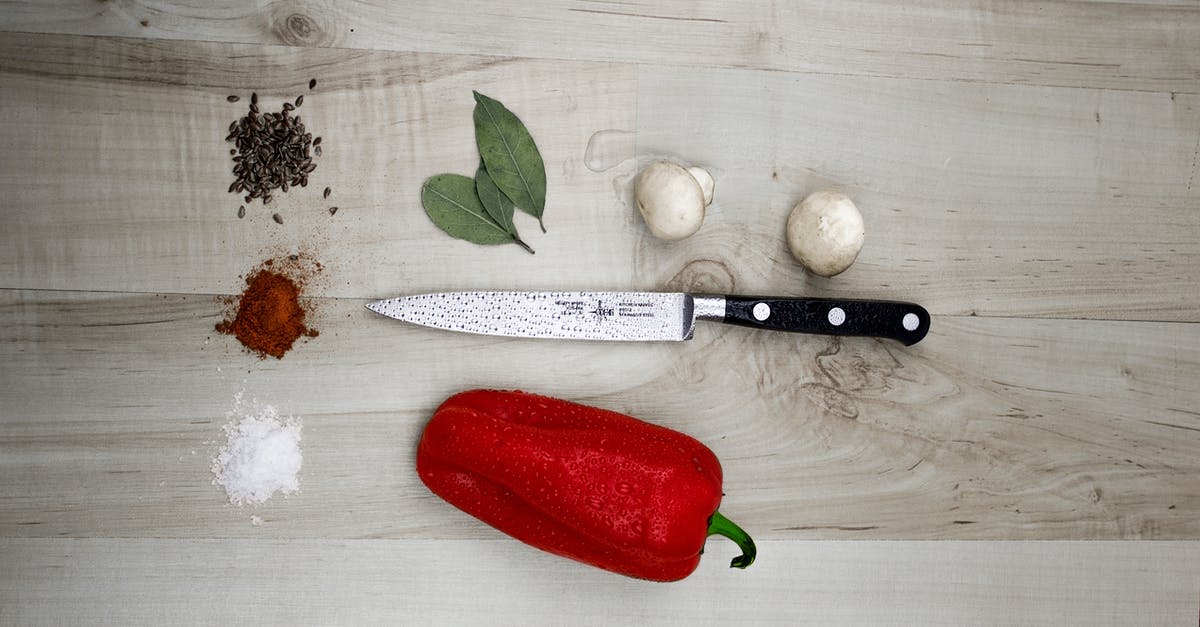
{"x": 650, "y": 316}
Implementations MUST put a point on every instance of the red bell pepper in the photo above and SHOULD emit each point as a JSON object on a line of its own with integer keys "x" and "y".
{"x": 581, "y": 482}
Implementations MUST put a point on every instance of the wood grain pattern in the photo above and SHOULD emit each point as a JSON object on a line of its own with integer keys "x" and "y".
{"x": 1028, "y": 170}
{"x": 1022, "y": 201}
{"x": 1141, "y": 45}
{"x": 116, "y": 174}
{"x": 978, "y": 199}
{"x": 991, "y": 428}
{"x": 139, "y": 581}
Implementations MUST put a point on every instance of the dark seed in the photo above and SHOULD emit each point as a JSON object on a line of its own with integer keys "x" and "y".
{"x": 317, "y": 151}
{"x": 299, "y": 100}
{"x": 233, "y": 99}
{"x": 232, "y": 186}
{"x": 233, "y": 151}
{"x": 327, "y": 192}
{"x": 317, "y": 142}
{"x": 294, "y": 257}
{"x": 254, "y": 98}
{"x": 241, "y": 212}
{"x": 272, "y": 151}
{"x": 277, "y": 218}
{"x": 332, "y": 210}
{"x": 312, "y": 83}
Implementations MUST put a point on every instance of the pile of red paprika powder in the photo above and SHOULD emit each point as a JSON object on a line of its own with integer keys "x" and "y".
{"x": 270, "y": 316}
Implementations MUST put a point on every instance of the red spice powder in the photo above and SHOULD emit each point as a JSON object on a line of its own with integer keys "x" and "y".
{"x": 269, "y": 315}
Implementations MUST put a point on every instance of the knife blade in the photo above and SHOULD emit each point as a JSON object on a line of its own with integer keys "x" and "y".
{"x": 650, "y": 316}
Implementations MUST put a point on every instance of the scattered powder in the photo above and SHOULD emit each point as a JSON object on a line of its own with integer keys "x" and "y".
{"x": 262, "y": 456}
{"x": 270, "y": 314}
{"x": 256, "y": 520}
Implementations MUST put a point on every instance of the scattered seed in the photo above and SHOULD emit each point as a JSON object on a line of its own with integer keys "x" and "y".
{"x": 299, "y": 100}
{"x": 332, "y": 210}
{"x": 277, "y": 218}
{"x": 317, "y": 151}
{"x": 312, "y": 83}
{"x": 272, "y": 151}
{"x": 327, "y": 192}
{"x": 241, "y": 212}
{"x": 317, "y": 142}
{"x": 233, "y": 99}
{"x": 294, "y": 257}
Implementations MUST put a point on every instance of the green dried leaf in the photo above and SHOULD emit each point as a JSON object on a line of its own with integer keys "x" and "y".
{"x": 451, "y": 202}
{"x": 497, "y": 205}
{"x": 510, "y": 155}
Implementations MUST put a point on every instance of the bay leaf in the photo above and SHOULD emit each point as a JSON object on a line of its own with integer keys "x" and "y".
{"x": 497, "y": 205}
{"x": 451, "y": 202}
{"x": 511, "y": 156}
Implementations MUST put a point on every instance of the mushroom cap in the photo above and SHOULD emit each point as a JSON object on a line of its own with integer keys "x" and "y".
{"x": 706, "y": 182}
{"x": 670, "y": 199}
{"x": 825, "y": 233}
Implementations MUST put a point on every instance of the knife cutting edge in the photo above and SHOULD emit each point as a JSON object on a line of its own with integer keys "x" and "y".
{"x": 650, "y": 316}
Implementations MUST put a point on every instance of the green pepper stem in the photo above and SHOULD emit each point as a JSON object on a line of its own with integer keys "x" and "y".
{"x": 719, "y": 525}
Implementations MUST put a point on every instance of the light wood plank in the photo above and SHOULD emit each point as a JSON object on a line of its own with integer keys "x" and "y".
{"x": 991, "y": 428}
{"x": 136, "y": 581}
{"x": 1144, "y": 45}
{"x": 1020, "y": 200}
{"x": 978, "y": 199}
{"x": 116, "y": 171}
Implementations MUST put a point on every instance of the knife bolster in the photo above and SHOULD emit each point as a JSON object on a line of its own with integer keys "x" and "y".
{"x": 708, "y": 308}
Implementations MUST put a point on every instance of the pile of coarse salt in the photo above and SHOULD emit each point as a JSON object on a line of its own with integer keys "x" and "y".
{"x": 262, "y": 456}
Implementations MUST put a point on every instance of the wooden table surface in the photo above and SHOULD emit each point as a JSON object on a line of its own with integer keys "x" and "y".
{"x": 1028, "y": 171}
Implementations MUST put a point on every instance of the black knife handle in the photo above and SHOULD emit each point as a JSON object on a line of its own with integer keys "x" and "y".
{"x": 904, "y": 322}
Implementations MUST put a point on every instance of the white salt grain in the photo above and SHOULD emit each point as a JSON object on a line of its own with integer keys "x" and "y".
{"x": 262, "y": 456}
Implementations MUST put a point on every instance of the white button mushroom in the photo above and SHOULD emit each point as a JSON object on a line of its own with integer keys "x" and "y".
{"x": 825, "y": 233}
{"x": 671, "y": 200}
{"x": 705, "y": 180}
